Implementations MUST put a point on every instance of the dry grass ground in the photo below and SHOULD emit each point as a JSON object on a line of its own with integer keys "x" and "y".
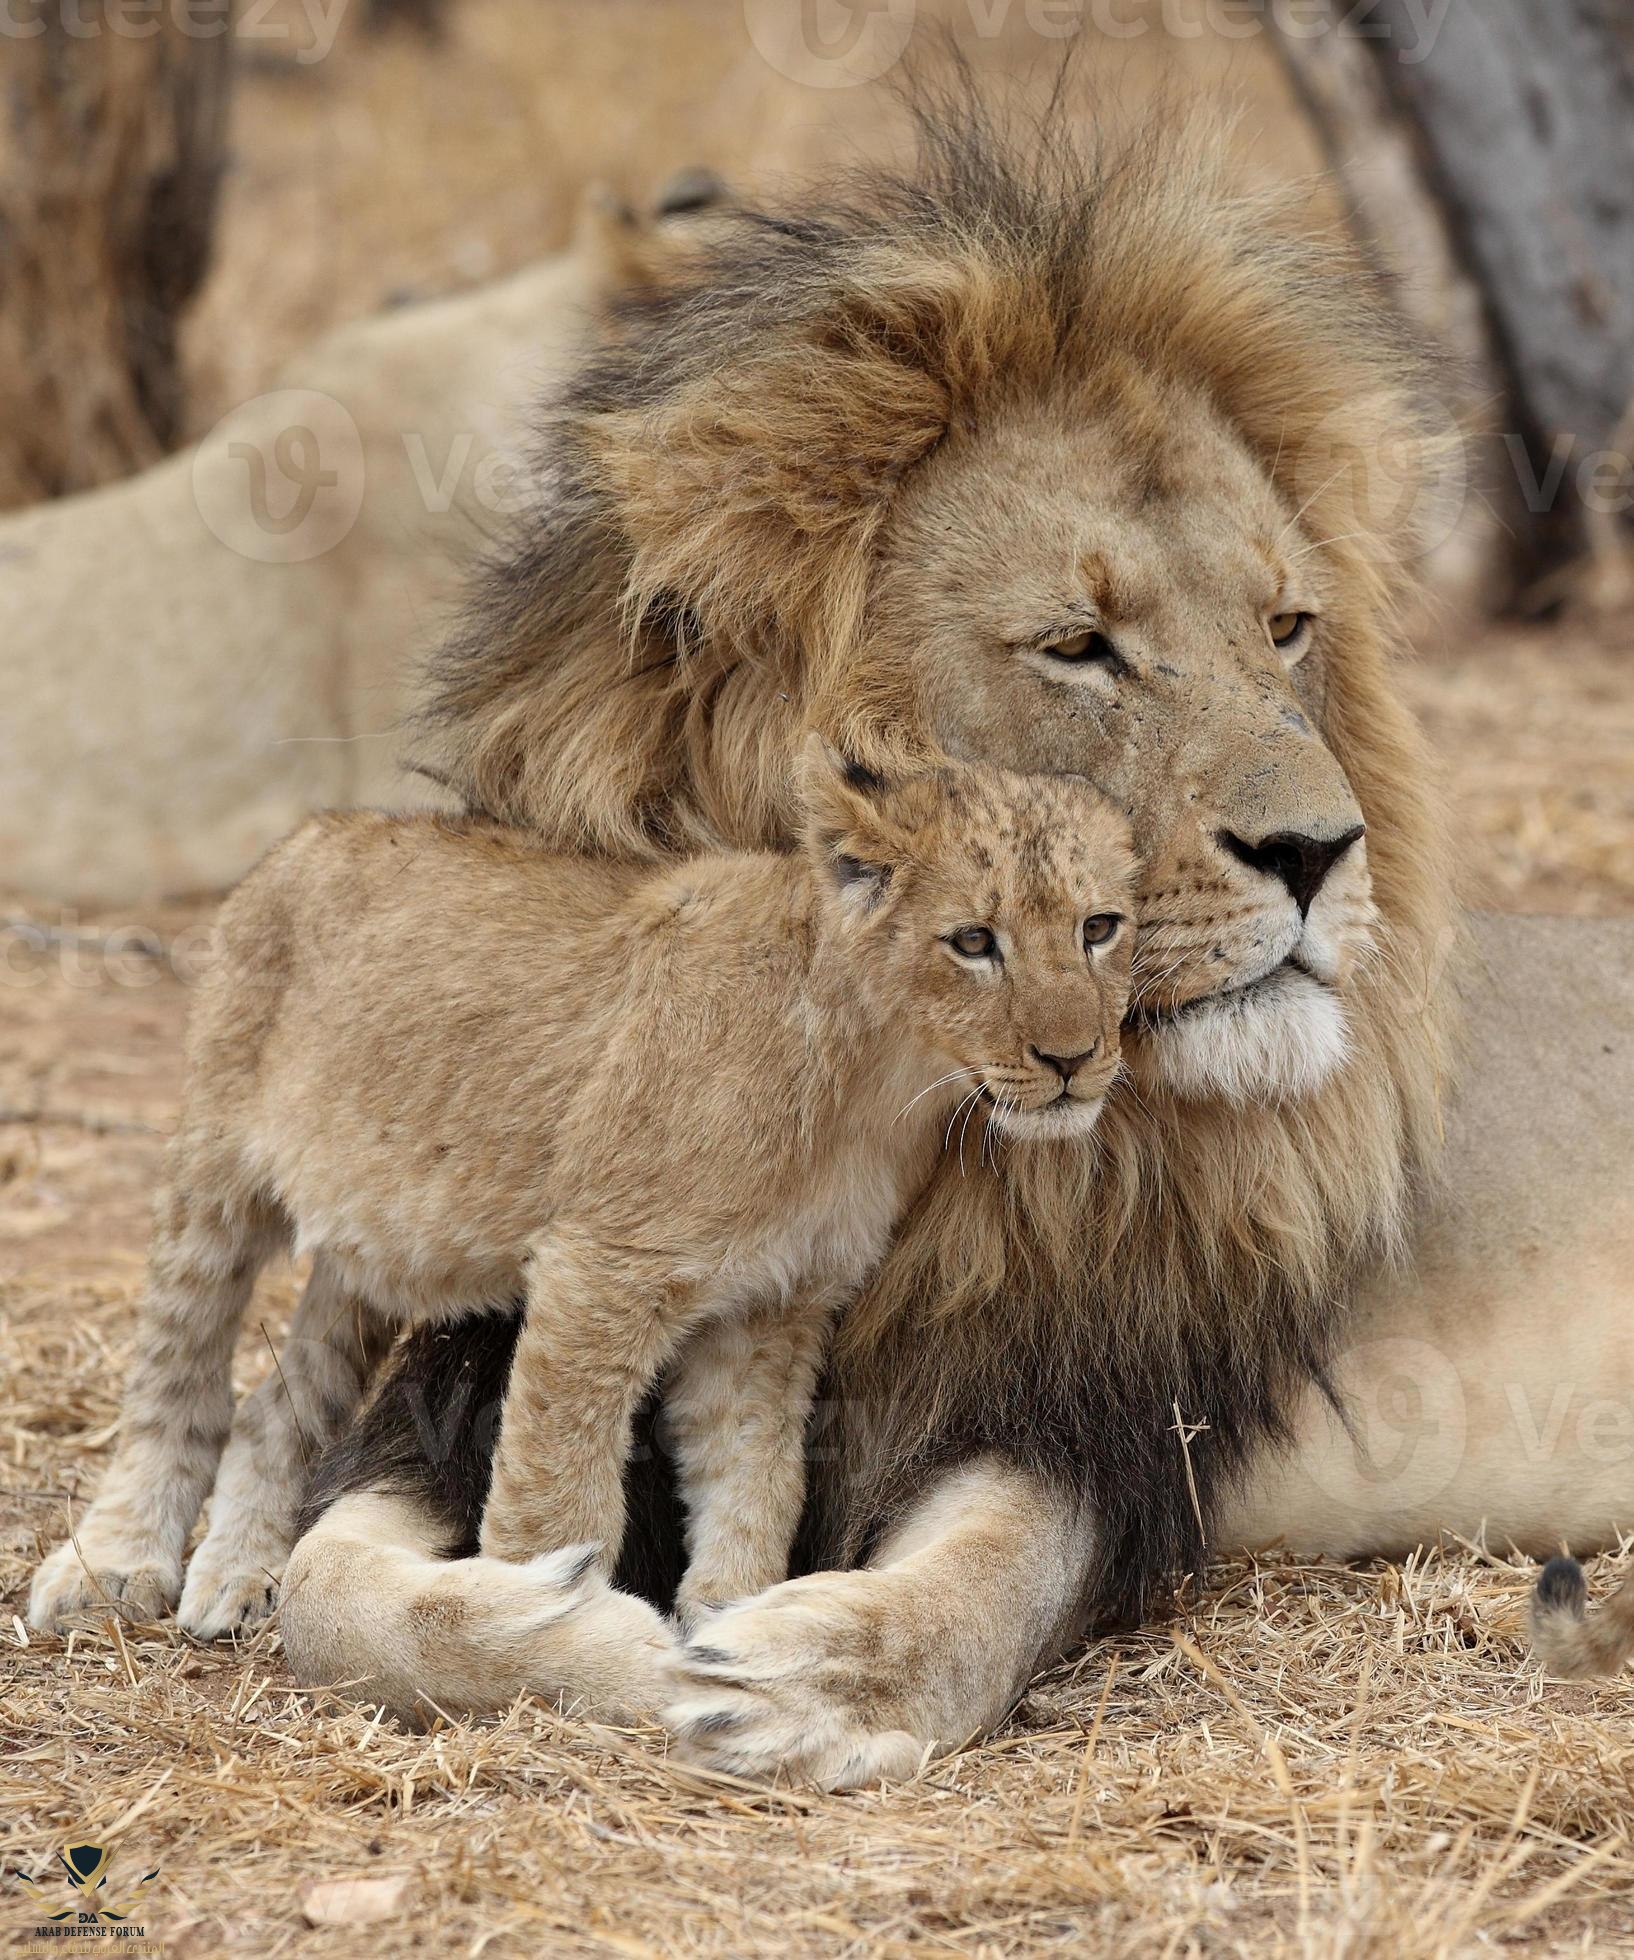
{"x": 1327, "y": 1760}
{"x": 1337, "y": 1761}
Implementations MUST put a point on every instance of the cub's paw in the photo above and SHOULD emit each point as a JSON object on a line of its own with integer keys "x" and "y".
{"x": 697, "y": 1606}
{"x": 85, "y": 1581}
{"x": 228, "y": 1591}
{"x": 797, "y": 1683}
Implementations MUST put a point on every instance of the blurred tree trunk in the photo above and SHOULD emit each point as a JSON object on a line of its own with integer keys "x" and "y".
{"x": 1490, "y": 152}
{"x": 113, "y": 152}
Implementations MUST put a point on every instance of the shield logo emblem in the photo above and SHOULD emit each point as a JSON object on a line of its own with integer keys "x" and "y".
{"x": 86, "y": 1864}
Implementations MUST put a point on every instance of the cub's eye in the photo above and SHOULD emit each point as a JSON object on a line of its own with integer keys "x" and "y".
{"x": 1101, "y": 928}
{"x": 1289, "y": 631}
{"x": 973, "y": 943}
{"x": 1082, "y": 647}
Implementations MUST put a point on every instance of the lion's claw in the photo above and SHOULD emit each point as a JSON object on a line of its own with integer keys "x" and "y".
{"x": 774, "y": 1691}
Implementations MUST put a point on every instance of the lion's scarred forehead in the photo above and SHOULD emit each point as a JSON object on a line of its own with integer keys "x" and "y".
{"x": 1050, "y": 509}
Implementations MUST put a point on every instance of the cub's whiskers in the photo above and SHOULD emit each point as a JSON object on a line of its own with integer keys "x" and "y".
{"x": 970, "y": 1099}
{"x": 941, "y": 1080}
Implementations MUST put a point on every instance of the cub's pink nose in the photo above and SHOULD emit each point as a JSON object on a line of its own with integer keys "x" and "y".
{"x": 1066, "y": 1066}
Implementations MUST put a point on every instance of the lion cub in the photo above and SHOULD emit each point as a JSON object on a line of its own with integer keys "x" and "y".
{"x": 681, "y": 1110}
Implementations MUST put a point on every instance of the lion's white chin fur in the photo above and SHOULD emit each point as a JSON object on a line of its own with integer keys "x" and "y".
{"x": 1278, "y": 1040}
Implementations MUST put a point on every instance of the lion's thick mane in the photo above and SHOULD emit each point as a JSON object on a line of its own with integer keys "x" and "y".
{"x": 635, "y": 672}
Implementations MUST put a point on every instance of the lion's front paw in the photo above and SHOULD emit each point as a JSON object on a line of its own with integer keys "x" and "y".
{"x": 81, "y": 1581}
{"x": 798, "y": 1682}
{"x": 229, "y": 1590}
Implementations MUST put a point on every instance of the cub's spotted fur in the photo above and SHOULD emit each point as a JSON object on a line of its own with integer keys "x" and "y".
{"x": 681, "y": 1109}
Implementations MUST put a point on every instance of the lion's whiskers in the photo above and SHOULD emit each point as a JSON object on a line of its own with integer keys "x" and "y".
{"x": 1322, "y": 544}
{"x": 1142, "y": 983}
{"x": 1320, "y": 491}
{"x": 973, "y": 1102}
{"x": 994, "y": 1132}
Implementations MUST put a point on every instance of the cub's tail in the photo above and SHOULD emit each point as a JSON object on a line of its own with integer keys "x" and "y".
{"x": 1569, "y": 1641}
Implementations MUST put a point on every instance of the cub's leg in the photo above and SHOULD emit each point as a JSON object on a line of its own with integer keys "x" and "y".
{"x": 601, "y": 1324}
{"x": 736, "y": 1414}
{"x": 333, "y": 1343}
{"x": 126, "y": 1550}
{"x": 844, "y": 1678}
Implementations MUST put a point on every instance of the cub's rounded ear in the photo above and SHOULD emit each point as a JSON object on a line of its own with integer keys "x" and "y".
{"x": 836, "y": 786}
{"x": 845, "y": 826}
{"x": 858, "y": 882}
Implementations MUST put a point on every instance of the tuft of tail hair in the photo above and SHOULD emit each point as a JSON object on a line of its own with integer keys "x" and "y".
{"x": 1571, "y": 1643}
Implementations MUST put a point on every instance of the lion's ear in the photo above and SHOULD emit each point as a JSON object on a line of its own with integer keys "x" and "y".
{"x": 848, "y": 829}
{"x": 752, "y": 493}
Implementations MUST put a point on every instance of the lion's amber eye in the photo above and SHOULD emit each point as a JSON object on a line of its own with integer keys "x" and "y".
{"x": 1101, "y": 928}
{"x": 1087, "y": 645}
{"x": 1289, "y": 630}
{"x": 973, "y": 943}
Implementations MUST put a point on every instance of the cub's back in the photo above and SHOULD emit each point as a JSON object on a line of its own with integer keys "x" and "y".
{"x": 405, "y": 967}
{"x": 415, "y": 1004}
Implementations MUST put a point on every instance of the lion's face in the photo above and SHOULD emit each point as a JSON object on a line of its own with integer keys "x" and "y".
{"x": 1126, "y": 596}
{"x": 993, "y": 912}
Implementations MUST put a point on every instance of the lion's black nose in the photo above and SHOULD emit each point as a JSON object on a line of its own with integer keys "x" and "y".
{"x": 1066, "y": 1066}
{"x": 1301, "y": 862}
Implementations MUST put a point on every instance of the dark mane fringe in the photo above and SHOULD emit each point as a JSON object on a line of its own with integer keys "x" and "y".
{"x": 636, "y": 670}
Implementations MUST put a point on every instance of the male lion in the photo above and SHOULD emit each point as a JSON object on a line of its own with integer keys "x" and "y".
{"x": 1059, "y": 460}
